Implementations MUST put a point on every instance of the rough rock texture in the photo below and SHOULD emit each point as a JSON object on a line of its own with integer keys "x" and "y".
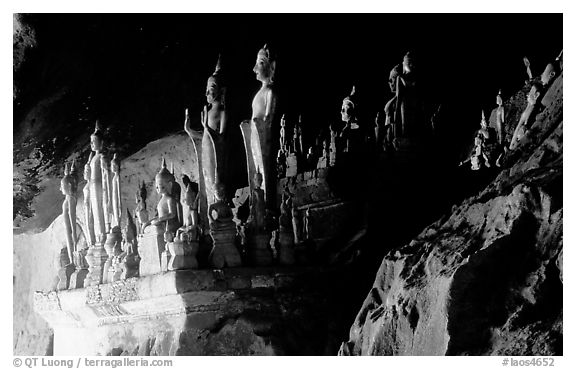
{"x": 36, "y": 256}
{"x": 487, "y": 279}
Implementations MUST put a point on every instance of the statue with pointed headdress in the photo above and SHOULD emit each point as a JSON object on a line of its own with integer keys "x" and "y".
{"x": 257, "y": 132}
{"x": 210, "y": 144}
{"x": 351, "y": 134}
{"x": 68, "y": 187}
{"x": 96, "y": 184}
{"x": 167, "y": 208}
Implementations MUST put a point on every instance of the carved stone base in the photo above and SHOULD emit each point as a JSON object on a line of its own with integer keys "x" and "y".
{"x": 259, "y": 252}
{"x": 182, "y": 255}
{"x": 151, "y": 245}
{"x": 224, "y": 251}
{"x": 286, "y": 247}
{"x": 96, "y": 258}
{"x": 77, "y": 278}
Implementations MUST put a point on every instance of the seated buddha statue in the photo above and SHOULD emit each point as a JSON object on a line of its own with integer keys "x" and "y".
{"x": 167, "y": 207}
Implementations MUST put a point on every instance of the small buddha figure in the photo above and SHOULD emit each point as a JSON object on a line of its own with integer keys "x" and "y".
{"x": 257, "y": 217}
{"x": 176, "y": 194}
{"x": 141, "y": 212}
{"x": 500, "y": 119}
{"x": 393, "y": 124}
{"x": 351, "y": 134}
{"x": 283, "y": 133}
{"x": 116, "y": 199}
{"x": 190, "y": 207}
{"x": 296, "y": 141}
{"x": 68, "y": 187}
{"x": 527, "y": 116}
{"x": 107, "y": 193}
{"x": 96, "y": 184}
{"x": 281, "y": 164}
{"x": 285, "y": 219}
{"x": 311, "y": 158}
{"x": 129, "y": 259}
{"x": 88, "y": 216}
{"x": 333, "y": 145}
{"x": 167, "y": 208}
{"x": 408, "y": 107}
{"x": 219, "y": 213}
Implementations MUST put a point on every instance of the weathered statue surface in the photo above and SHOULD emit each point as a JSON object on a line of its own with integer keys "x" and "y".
{"x": 116, "y": 199}
{"x": 257, "y": 132}
{"x": 527, "y": 116}
{"x": 88, "y": 216}
{"x": 257, "y": 218}
{"x": 500, "y": 120}
{"x": 167, "y": 207}
{"x": 68, "y": 187}
{"x": 96, "y": 185}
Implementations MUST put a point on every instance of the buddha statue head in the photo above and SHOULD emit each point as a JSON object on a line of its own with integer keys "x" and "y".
{"x": 499, "y": 98}
{"x": 549, "y": 73}
{"x": 164, "y": 180}
{"x": 190, "y": 194}
{"x": 215, "y": 89}
{"x": 115, "y": 164}
{"x": 265, "y": 66}
{"x": 258, "y": 179}
{"x": 220, "y": 191}
{"x": 349, "y": 106}
{"x": 97, "y": 138}
{"x": 535, "y": 93}
{"x": 408, "y": 63}
{"x": 68, "y": 183}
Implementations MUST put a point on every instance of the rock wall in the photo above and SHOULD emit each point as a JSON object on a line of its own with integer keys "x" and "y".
{"x": 486, "y": 279}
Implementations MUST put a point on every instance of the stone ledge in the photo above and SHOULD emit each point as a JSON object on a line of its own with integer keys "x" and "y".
{"x": 171, "y": 293}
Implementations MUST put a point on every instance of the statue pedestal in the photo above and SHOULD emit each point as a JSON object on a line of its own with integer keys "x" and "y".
{"x": 77, "y": 278}
{"x": 96, "y": 259}
{"x": 259, "y": 252}
{"x": 286, "y": 247}
{"x": 224, "y": 251}
{"x": 113, "y": 249}
{"x": 151, "y": 245}
{"x": 182, "y": 255}
{"x": 291, "y": 165}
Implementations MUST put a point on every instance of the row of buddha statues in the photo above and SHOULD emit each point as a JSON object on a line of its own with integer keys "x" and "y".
{"x": 202, "y": 216}
{"x": 490, "y": 144}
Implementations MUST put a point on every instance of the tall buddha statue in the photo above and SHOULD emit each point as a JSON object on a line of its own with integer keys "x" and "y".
{"x": 393, "y": 124}
{"x": 408, "y": 112}
{"x": 500, "y": 119}
{"x": 210, "y": 145}
{"x": 116, "y": 197}
{"x": 258, "y": 131}
{"x": 141, "y": 211}
{"x": 88, "y": 216}
{"x": 68, "y": 187}
{"x": 107, "y": 193}
{"x": 351, "y": 133}
{"x": 527, "y": 117}
{"x": 167, "y": 208}
{"x": 96, "y": 184}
